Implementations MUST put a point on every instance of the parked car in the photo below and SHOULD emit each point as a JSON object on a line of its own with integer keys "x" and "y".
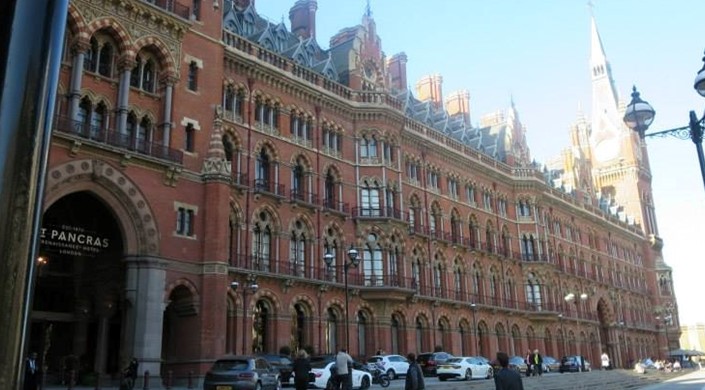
{"x": 242, "y": 373}
{"x": 574, "y": 363}
{"x": 285, "y": 366}
{"x": 322, "y": 370}
{"x": 467, "y": 367}
{"x": 393, "y": 365}
{"x": 429, "y": 361}
{"x": 518, "y": 364}
{"x": 550, "y": 364}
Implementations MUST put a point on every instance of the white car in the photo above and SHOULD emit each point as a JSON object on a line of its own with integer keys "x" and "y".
{"x": 322, "y": 369}
{"x": 393, "y": 365}
{"x": 467, "y": 367}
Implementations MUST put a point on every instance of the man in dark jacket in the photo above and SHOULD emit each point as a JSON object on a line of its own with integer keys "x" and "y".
{"x": 507, "y": 379}
{"x": 414, "y": 376}
{"x": 537, "y": 363}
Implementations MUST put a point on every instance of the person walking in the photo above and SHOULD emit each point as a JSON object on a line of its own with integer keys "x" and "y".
{"x": 529, "y": 363}
{"x": 302, "y": 367}
{"x": 507, "y": 379}
{"x": 31, "y": 372}
{"x": 605, "y": 359}
{"x": 537, "y": 363}
{"x": 414, "y": 376}
{"x": 343, "y": 365}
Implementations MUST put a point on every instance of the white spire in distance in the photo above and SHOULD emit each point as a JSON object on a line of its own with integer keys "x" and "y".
{"x": 605, "y": 116}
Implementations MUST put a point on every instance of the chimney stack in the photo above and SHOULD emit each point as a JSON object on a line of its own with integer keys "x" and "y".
{"x": 430, "y": 88}
{"x": 396, "y": 68}
{"x": 459, "y": 103}
{"x": 303, "y": 18}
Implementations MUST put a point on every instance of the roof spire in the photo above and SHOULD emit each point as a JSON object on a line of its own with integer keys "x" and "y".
{"x": 368, "y": 10}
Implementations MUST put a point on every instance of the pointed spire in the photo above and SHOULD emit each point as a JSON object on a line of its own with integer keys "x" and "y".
{"x": 597, "y": 50}
{"x": 368, "y": 10}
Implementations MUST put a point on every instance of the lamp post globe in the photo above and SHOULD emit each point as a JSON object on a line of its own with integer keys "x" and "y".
{"x": 352, "y": 255}
{"x": 639, "y": 114}
{"x": 328, "y": 258}
{"x": 699, "y": 83}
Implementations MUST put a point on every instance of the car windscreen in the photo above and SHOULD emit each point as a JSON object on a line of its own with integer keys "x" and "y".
{"x": 454, "y": 360}
{"x": 231, "y": 365}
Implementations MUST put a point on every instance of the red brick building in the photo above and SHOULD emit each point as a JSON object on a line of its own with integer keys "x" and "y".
{"x": 205, "y": 160}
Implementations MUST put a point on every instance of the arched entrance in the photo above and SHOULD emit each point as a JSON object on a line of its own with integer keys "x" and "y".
{"x": 607, "y": 344}
{"x": 77, "y": 320}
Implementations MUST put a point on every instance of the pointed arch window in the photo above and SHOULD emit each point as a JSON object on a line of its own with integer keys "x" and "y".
{"x": 369, "y": 200}
{"x": 528, "y": 247}
{"x": 142, "y": 134}
{"x": 372, "y": 266}
{"x": 361, "y": 333}
{"x": 395, "y": 334}
{"x": 331, "y": 331}
{"x": 420, "y": 340}
{"x": 297, "y": 251}
{"x": 262, "y": 243}
{"x": 438, "y": 280}
{"x": 458, "y": 282}
{"x": 477, "y": 288}
{"x": 368, "y": 147}
{"x": 100, "y": 57}
{"x": 416, "y": 273}
{"x": 493, "y": 287}
{"x": 298, "y": 186}
{"x": 262, "y": 168}
{"x": 98, "y": 120}
{"x": 329, "y": 191}
{"x": 394, "y": 266}
{"x": 533, "y": 292}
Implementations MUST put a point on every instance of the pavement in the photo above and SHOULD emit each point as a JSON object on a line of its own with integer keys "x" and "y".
{"x": 602, "y": 380}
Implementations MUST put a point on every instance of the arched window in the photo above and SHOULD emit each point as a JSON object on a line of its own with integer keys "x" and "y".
{"x": 105, "y": 60}
{"x": 533, "y": 292}
{"x": 299, "y": 321}
{"x": 438, "y": 278}
{"x": 372, "y": 266}
{"x": 361, "y": 334}
{"x": 458, "y": 281}
{"x": 395, "y": 334}
{"x": 298, "y": 187}
{"x": 262, "y": 241}
{"x": 83, "y": 115}
{"x": 332, "y": 331}
{"x": 369, "y": 200}
{"x": 420, "y": 340}
{"x": 144, "y": 74}
{"x": 394, "y": 266}
{"x": 261, "y": 328}
{"x": 262, "y": 168}
{"x": 329, "y": 191}
{"x": 416, "y": 273}
{"x": 297, "y": 250}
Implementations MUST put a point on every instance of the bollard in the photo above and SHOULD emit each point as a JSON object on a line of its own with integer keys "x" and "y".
{"x": 146, "y": 380}
{"x": 169, "y": 379}
{"x": 72, "y": 380}
{"x": 190, "y": 379}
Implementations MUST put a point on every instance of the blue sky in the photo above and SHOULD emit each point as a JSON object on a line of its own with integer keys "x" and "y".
{"x": 537, "y": 52}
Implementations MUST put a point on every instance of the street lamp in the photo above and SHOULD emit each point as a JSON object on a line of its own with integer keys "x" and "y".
{"x": 639, "y": 115}
{"x": 473, "y": 308}
{"x": 353, "y": 262}
{"x": 252, "y": 287}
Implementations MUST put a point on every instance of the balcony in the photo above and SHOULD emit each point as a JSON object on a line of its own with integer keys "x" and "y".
{"x": 119, "y": 140}
{"x": 173, "y": 7}
{"x": 338, "y": 207}
{"x": 378, "y": 213}
{"x": 268, "y": 187}
{"x": 305, "y": 198}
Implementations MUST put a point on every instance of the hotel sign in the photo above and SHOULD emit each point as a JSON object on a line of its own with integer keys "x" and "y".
{"x": 73, "y": 240}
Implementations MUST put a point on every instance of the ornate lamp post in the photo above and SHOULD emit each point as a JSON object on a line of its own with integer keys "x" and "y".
{"x": 252, "y": 287}
{"x": 639, "y": 115}
{"x": 353, "y": 262}
{"x": 666, "y": 319}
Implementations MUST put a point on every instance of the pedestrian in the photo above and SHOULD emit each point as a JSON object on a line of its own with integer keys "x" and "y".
{"x": 529, "y": 363}
{"x": 537, "y": 362}
{"x": 302, "y": 367}
{"x": 414, "y": 375}
{"x": 605, "y": 359}
{"x": 343, "y": 365}
{"x": 506, "y": 379}
{"x": 31, "y": 372}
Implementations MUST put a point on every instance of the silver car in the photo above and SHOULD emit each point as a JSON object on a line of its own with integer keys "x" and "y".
{"x": 242, "y": 373}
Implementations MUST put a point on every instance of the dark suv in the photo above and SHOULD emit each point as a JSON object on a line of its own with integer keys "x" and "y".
{"x": 429, "y": 361}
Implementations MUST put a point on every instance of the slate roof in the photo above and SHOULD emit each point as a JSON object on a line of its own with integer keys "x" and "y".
{"x": 330, "y": 63}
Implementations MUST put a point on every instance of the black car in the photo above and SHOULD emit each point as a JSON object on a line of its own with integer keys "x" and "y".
{"x": 429, "y": 361}
{"x": 285, "y": 366}
{"x": 574, "y": 363}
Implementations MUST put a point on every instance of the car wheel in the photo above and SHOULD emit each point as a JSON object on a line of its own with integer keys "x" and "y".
{"x": 442, "y": 378}
{"x": 392, "y": 375}
{"x": 365, "y": 383}
{"x": 468, "y": 374}
{"x": 490, "y": 373}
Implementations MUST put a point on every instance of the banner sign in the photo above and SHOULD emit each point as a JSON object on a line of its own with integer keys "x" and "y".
{"x": 73, "y": 240}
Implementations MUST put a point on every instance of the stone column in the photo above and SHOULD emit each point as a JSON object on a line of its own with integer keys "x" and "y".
{"x": 168, "y": 98}
{"x": 125, "y": 68}
{"x": 79, "y": 54}
{"x": 105, "y": 311}
{"x": 144, "y": 291}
